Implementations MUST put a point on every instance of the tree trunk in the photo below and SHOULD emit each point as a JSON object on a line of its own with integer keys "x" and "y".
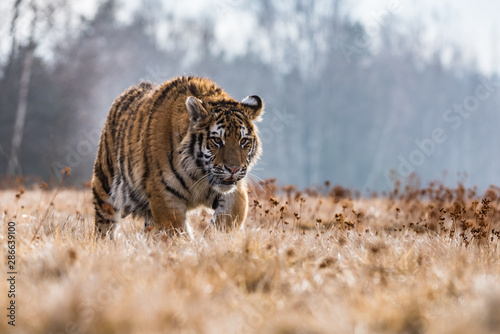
{"x": 13, "y": 41}
{"x": 14, "y": 165}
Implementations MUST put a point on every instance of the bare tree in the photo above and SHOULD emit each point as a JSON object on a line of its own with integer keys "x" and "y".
{"x": 22, "y": 103}
{"x": 14, "y": 166}
{"x": 12, "y": 30}
{"x": 47, "y": 15}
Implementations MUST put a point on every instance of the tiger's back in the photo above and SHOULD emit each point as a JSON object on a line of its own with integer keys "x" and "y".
{"x": 154, "y": 159}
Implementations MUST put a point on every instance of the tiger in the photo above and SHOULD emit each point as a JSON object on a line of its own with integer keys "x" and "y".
{"x": 170, "y": 148}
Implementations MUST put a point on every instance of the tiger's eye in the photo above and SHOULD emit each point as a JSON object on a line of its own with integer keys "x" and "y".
{"x": 217, "y": 141}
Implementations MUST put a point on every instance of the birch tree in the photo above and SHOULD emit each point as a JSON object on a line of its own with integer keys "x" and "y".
{"x": 42, "y": 18}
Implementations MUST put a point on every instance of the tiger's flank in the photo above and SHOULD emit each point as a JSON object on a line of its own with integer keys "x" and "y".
{"x": 166, "y": 149}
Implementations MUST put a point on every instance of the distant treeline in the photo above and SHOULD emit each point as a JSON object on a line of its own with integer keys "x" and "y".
{"x": 344, "y": 102}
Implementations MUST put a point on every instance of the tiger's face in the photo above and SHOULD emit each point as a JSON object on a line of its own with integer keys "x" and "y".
{"x": 224, "y": 140}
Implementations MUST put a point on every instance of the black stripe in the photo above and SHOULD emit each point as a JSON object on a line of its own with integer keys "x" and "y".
{"x": 192, "y": 144}
{"x": 221, "y": 118}
{"x": 147, "y": 148}
{"x": 145, "y": 207}
{"x": 216, "y": 201}
{"x": 98, "y": 214}
{"x": 112, "y": 113}
{"x": 122, "y": 106}
{"x": 124, "y": 126}
{"x": 101, "y": 177}
{"x": 162, "y": 97}
{"x": 224, "y": 103}
{"x": 239, "y": 117}
{"x": 193, "y": 89}
{"x": 168, "y": 87}
{"x": 134, "y": 197}
{"x": 200, "y": 140}
{"x": 139, "y": 121}
{"x": 131, "y": 144}
{"x": 121, "y": 131}
{"x": 134, "y": 93}
{"x": 109, "y": 162}
{"x": 199, "y": 163}
{"x": 129, "y": 168}
{"x": 173, "y": 191}
{"x": 251, "y": 155}
{"x": 146, "y": 85}
{"x": 171, "y": 162}
{"x": 212, "y": 180}
{"x": 146, "y": 172}
{"x": 99, "y": 201}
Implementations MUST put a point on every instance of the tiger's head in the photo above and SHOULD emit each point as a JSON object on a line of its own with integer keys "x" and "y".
{"x": 223, "y": 140}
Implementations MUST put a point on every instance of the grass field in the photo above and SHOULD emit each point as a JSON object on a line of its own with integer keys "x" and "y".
{"x": 321, "y": 261}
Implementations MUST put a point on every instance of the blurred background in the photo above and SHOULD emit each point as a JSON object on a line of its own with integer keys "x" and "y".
{"x": 361, "y": 93}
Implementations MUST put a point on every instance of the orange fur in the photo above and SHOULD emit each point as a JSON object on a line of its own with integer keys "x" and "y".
{"x": 167, "y": 149}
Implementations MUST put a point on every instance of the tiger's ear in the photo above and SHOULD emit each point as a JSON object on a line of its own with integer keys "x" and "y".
{"x": 254, "y": 106}
{"x": 196, "y": 110}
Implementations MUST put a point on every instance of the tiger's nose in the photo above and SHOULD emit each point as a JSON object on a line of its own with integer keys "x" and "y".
{"x": 232, "y": 170}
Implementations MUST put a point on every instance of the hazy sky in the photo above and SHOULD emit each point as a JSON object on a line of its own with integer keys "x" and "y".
{"x": 472, "y": 25}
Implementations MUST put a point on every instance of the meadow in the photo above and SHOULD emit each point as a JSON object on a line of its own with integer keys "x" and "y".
{"x": 324, "y": 260}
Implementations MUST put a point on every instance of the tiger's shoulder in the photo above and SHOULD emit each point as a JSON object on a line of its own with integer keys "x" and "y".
{"x": 173, "y": 93}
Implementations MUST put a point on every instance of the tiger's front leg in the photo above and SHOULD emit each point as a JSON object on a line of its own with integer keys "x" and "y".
{"x": 168, "y": 212}
{"x": 232, "y": 209}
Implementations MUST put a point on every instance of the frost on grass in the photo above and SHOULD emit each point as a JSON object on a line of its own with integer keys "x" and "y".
{"x": 320, "y": 261}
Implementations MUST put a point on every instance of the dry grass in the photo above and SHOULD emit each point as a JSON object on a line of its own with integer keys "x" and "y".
{"x": 426, "y": 261}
